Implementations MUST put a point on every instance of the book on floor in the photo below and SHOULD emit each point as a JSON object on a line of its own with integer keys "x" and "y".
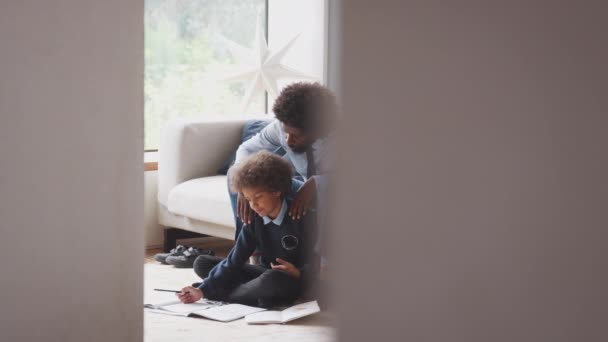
{"x": 178, "y": 308}
{"x": 227, "y": 313}
{"x": 289, "y": 314}
{"x": 218, "y": 311}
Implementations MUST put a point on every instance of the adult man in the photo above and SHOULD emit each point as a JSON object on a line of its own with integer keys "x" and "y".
{"x": 305, "y": 113}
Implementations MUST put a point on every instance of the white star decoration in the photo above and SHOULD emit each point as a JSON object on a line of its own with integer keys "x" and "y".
{"x": 261, "y": 67}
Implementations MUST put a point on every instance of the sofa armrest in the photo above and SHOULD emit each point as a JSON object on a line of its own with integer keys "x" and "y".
{"x": 194, "y": 148}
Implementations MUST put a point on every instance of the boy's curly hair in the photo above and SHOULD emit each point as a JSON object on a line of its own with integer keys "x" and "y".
{"x": 307, "y": 106}
{"x": 262, "y": 169}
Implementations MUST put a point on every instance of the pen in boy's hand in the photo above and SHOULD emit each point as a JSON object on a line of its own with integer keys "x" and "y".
{"x": 167, "y": 290}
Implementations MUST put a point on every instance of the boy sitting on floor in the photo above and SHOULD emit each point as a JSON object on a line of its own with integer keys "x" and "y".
{"x": 288, "y": 262}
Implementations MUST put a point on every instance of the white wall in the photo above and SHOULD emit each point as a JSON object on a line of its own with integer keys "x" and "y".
{"x": 286, "y": 19}
{"x": 71, "y": 174}
{"x": 153, "y": 231}
{"x": 471, "y": 199}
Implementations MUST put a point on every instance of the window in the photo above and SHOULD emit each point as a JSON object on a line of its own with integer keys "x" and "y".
{"x": 185, "y": 56}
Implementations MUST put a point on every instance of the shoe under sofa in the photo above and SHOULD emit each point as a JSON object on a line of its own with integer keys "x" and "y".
{"x": 193, "y": 198}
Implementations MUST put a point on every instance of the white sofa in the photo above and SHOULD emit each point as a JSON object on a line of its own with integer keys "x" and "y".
{"x": 192, "y": 198}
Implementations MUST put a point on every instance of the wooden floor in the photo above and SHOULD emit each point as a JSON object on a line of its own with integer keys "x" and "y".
{"x": 221, "y": 247}
{"x": 160, "y": 328}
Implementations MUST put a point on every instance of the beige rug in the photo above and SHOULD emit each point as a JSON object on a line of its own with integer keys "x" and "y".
{"x": 159, "y": 327}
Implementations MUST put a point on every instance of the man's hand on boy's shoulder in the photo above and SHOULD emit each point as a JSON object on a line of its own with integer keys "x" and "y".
{"x": 190, "y": 294}
{"x": 287, "y": 267}
{"x": 243, "y": 210}
{"x": 303, "y": 199}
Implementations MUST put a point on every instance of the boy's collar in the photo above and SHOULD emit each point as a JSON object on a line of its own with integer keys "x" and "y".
{"x": 279, "y": 219}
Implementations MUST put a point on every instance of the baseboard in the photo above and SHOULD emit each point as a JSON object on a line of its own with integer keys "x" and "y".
{"x": 159, "y": 246}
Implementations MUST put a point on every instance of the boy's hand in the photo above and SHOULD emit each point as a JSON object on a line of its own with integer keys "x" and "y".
{"x": 243, "y": 210}
{"x": 286, "y": 267}
{"x": 303, "y": 200}
{"x": 190, "y": 294}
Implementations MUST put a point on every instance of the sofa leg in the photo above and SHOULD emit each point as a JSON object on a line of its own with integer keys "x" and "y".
{"x": 174, "y": 234}
{"x": 170, "y": 240}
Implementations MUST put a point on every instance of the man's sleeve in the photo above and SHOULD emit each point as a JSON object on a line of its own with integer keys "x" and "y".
{"x": 268, "y": 139}
{"x": 227, "y": 272}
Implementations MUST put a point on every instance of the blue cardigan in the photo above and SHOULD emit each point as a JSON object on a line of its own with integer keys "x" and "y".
{"x": 292, "y": 240}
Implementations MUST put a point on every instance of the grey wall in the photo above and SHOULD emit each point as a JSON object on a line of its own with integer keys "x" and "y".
{"x": 71, "y": 171}
{"x": 472, "y": 196}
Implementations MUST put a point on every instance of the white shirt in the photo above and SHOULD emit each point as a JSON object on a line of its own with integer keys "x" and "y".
{"x": 273, "y": 137}
{"x": 279, "y": 219}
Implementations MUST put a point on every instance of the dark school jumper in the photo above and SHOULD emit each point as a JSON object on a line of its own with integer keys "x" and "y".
{"x": 234, "y": 280}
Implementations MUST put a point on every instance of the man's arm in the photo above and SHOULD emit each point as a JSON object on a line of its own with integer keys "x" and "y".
{"x": 303, "y": 199}
{"x": 315, "y": 187}
{"x": 268, "y": 139}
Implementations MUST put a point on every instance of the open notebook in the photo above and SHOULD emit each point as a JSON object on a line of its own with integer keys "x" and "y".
{"x": 289, "y": 314}
{"x": 218, "y": 311}
{"x": 180, "y": 309}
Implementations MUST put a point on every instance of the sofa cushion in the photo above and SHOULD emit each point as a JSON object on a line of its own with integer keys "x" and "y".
{"x": 204, "y": 199}
{"x": 251, "y": 128}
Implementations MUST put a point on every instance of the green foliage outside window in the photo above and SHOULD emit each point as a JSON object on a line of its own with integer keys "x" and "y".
{"x": 185, "y": 56}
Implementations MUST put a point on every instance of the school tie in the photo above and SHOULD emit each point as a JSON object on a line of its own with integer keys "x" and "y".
{"x": 310, "y": 161}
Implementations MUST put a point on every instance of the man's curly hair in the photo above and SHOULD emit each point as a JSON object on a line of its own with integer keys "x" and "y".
{"x": 262, "y": 169}
{"x": 307, "y": 106}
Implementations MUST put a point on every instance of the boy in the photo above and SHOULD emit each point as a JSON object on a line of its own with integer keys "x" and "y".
{"x": 286, "y": 244}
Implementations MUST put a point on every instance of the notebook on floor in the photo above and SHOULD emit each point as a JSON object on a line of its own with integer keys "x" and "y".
{"x": 284, "y": 316}
{"x": 218, "y": 311}
{"x": 180, "y": 309}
